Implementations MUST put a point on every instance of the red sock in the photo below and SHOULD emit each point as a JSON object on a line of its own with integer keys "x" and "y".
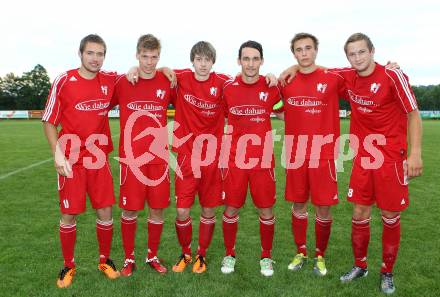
{"x": 104, "y": 233}
{"x": 154, "y": 233}
{"x": 390, "y": 242}
{"x": 299, "y": 230}
{"x": 360, "y": 238}
{"x": 230, "y": 226}
{"x": 128, "y": 231}
{"x": 267, "y": 228}
{"x": 322, "y": 233}
{"x": 68, "y": 238}
{"x": 206, "y": 229}
{"x": 184, "y": 234}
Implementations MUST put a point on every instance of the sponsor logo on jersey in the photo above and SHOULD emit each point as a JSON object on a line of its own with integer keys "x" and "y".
{"x": 263, "y": 96}
{"x": 247, "y": 110}
{"x": 374, "y": 88}
{"x": 145, "y": 105}
{"x": 104, "y": 90}
{"x": 92, "y": 105}
{"x": 320, "y": 87}
{"x": 304, "y": 101}
{"x": 257, "y": 120}
{"x": 208, "y": 113}
{"x": 197, "y": 102}
{"x": 160, "y": 93}
{"x": 313, "y": 111}
{"x": 213, "y": 91}
{"x": 364, "y": 109}
{"x": 362, "y": 100}
{"x": 73, "y": 78}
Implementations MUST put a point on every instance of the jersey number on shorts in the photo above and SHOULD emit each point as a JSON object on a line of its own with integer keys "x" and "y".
{"x": 350, "y": 193}
{"x": 66, "y": 203}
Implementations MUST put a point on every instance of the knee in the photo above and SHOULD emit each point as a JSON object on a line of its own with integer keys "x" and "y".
{"x": 266, "y": 213}
{"x": 299, "y": 208}
{"x": 323, "y": 212}
{"x": 129, "y": 213}
{"x": 68, "y": 219}
{"x": 231, "y": 211}
{"x": 208, "y": 212}
{"x": 182, "y": 213}
{"x": 361, "y": 212}
{"x": 156, "y": 214}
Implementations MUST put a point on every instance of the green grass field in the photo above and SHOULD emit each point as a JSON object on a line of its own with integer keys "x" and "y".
{"x": 30, "y": 255}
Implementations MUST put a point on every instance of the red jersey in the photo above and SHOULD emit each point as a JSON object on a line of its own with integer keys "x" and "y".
{"x": 249, "y": 108}
{"x": 379, "y": 105}
{"x": 152, "y": 96}
{"x": 311, "y": 108}
{"x": 81, "y": 106}
{"x": 199, "y": 108}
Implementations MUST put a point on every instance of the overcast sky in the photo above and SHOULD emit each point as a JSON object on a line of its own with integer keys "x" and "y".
{"x": 48, "y": 32}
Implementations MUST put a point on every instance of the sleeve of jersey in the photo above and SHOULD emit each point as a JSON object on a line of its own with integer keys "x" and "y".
{"x": 342, "y": 89}
{"x": 278, "y": 105}
{"x": 53, "y": 105}
{"x": 173, "y": 96}
{"x": 343, "y": 72}
{"x": 182, "y": 72}
{"x": 402, "y": 88}
{"x": 115, "y": 97}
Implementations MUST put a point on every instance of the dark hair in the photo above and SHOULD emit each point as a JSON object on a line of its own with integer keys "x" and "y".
{"x": 93, "y": 38}
{"x": 203, "y": 48}
{"x": 251, "y": 44}
{"x": 357, "y": 37}
{"x": 300, "y": 36}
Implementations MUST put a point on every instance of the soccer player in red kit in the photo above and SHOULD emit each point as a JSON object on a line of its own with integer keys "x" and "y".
{"x": 250, "y": 160}
{"x": 199, "y": 114}
{"x": 311, "y": 114}
{"x": 384, "y": 111}
{"x": 143, "y": 106}
{"x": 79, "y": 101}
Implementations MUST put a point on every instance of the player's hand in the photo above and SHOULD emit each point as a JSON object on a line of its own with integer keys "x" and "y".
{"x": 415, "y": 165}
{"x": 133, "y": 75}
{"x": 287, "y": 75}
{"x": 170, "y": 74}
{"x": 392, "y": 65}
{"x": 62, "y": 166}
{"x": 271, "y": 80}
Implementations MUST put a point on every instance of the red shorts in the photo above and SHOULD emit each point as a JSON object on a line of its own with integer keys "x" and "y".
{"x": 134, "y": 192}
{"x": 387, "y": 185}
{"x": 320, "y": 183}
{"x": 97, "y": 183}
{"x": 208, "y": 186}
{"x": 260, "y": 181}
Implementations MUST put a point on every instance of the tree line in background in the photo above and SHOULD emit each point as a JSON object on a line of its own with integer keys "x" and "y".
{"x": 30, "y": 91}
